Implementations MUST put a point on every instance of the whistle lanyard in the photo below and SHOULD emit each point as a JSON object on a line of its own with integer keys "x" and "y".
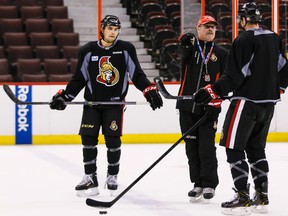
{"x": 205, "y": 60}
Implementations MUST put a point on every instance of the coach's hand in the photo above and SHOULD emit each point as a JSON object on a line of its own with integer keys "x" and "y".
{"x": 59, "y": 99}
{"x": 153, "y": 97}
{"x": 187, "y": 40}
{"x": 205, "y": 95}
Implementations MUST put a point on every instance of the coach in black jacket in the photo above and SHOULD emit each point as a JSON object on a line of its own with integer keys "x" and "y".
{"x": 202, "y": 63}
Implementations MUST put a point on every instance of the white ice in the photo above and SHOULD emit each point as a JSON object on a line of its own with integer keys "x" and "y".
{"x": 40, "y": 180}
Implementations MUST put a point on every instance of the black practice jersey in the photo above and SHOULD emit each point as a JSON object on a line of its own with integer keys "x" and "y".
{"x": 105, "y": 72}
{"x": 195, "y": 74}
{"x": 256, "y": 68}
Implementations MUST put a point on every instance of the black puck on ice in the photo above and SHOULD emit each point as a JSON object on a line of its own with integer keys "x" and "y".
{"x": 102, "y": 212}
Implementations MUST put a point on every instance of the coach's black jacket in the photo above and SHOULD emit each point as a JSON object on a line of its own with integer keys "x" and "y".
{"x": 191, "y": 79}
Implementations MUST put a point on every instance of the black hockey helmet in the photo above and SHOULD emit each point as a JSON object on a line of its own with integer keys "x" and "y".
{"x": 109, "y": 20}
{"x": 251, "y": 12}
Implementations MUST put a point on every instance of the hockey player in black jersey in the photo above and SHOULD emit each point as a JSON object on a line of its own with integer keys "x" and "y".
{"x": 256, "y": 74}
{"x": 203, "y": 62}
{"x": 103, "y": 69}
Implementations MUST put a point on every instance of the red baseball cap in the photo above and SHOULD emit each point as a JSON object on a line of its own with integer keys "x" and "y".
{"x": 207, "y": 19}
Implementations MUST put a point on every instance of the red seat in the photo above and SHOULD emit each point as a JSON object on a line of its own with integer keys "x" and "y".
{"x": 57, "y": 70}
{"x": 29, "y": 70}
{"x": 26, "y": 2}
{"x": 37, "y": 25}
{"x": 67, "y": 39}
{"x": 62, "y": 25}
{"x": 16, "y": 52}
{"x": 11, "y": 25}
{"x": 56, "y": 12}
{"x": 47, "y": 52}
{"x": 52, "y": 3}
{"x": 42, "y": 39}
{"x": 70, "y": 52}
{"x": 28, "y": 12}
{"x": 9, "y": 11}
{"x": 14, "y": 39}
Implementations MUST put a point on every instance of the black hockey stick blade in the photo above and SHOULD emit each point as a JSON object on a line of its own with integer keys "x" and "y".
{"x": 102, "y": 204}
{"x": 160, "y": 85}
{"x": 13, "y": 97}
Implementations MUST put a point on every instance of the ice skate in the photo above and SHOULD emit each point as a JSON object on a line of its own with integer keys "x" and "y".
{"x": 239, "y": 205}
{"x": 208, "y": 193}
{"x": 88, "y": 186}
{"x": 260, "y": 200}
{"x": 111, "y": 183}
{"x": 195, "y": 194}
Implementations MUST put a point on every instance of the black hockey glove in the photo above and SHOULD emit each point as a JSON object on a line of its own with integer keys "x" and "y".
{"x": 153, "y": 97}
{"x": 205, "y": 95}
{"x": 58, "y": 100}
{"x": 187, "y": 40}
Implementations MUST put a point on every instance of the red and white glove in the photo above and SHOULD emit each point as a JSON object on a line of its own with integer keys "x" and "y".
{"x": 204, "y": 95}
{"x": 153, "y": 97}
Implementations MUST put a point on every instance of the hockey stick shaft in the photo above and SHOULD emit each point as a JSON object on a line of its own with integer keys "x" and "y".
{"x": 102, "y": 204}
{"x": 160, "y": 85}
{"x": 13, "y": 97}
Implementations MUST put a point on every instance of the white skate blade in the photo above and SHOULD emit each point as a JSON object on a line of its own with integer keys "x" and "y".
{"x": 239, "y": 211}
{"x": 260, "y": 209}
{"x": 89, "y": 192}
{"x": 196, "y": 199}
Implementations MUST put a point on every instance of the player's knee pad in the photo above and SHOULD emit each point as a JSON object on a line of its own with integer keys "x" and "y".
{"x": 89, "y": 149}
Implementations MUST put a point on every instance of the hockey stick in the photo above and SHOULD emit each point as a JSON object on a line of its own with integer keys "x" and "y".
{"x": 13, "y": 97}
{"x": 160, "y": 85}
{"x": 102, "y": 204}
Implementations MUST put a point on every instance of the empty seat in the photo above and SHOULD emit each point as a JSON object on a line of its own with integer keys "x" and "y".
{"x": 56, "y": 12}
{"x": 172, "y": 7}
{"x": 9, "y": 12}
{"x": 16, "y": 52}
{"x": 14, "y": 39}
{"x": 62, "y": 25}
{"x": 148, "y": 7}
{"x": 67, "y": 39}
{"x": 5, "y": 75}
{"x": 152, "y": 21}
{"x": 50, "y": 52}
{"x": 29, "y": 70}
{"x": 168, "y": 51}
{"x": 162, "y": 33}
{"x": 27, "y": 12}
{"x": 52, "y": 3}
{"x": 57, "y": 70}
{"x": 70, "y": 52}
{"x": 42, "y": 39}
{"x": 36, "y": 25}
{"x": 11, "y": 25}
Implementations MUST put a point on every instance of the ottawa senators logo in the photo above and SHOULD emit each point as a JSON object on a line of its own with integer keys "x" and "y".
{"x": 113, "y": 126}
{"x": 108, "y": 75}
{"x": 213, "y": 57}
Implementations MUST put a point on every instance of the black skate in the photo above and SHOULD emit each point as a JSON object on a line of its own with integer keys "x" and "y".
{"x": 88, "y": 186}
{"x": 208, "y": 193}
{"x": 195, "y": 194}
{"x": 260, "y": 200}
{"x": 239, "y": 204}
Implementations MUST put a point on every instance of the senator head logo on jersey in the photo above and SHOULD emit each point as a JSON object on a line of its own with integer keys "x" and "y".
{"x": 108, "y": 74}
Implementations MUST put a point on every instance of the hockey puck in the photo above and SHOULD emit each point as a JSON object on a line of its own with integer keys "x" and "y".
{"x": 102, "y": 212}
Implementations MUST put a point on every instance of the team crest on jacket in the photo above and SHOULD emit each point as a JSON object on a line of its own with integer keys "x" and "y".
{"x": 213, "y": 57}
{"x": 108, "y": 74}
{"x": 113, "y": 126}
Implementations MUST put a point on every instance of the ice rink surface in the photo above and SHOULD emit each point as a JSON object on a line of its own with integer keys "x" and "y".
{"x": 40, "y": 181}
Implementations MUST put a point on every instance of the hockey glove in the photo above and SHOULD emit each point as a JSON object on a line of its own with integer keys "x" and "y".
{"x": 153, "y": 97}
{"x": 58, "y": 100}
{"x": 187, "y": 40}
{"x": 205, "y": 95}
